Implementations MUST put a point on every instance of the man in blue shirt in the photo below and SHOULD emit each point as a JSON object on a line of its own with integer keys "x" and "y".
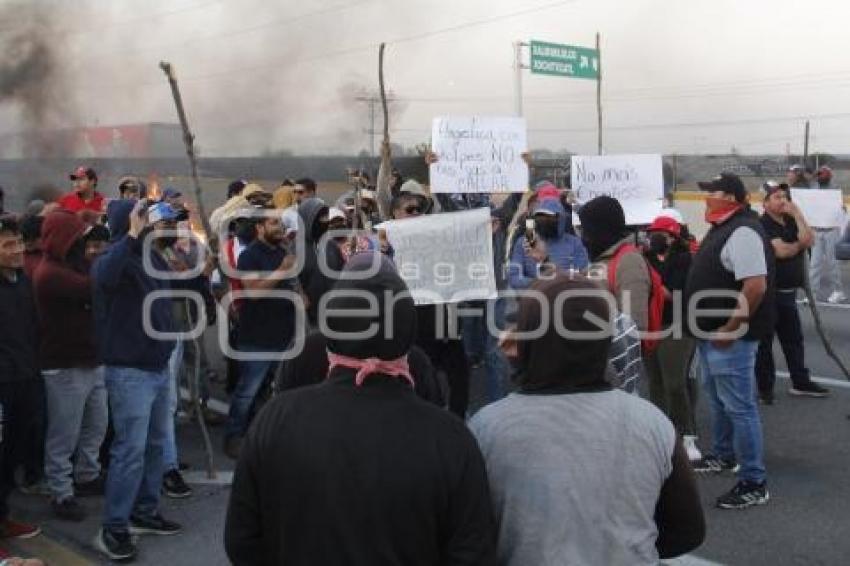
{"x": 265, "y": 324}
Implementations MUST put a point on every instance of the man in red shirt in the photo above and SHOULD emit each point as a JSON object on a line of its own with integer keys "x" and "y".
{"x": 84, "y": 196}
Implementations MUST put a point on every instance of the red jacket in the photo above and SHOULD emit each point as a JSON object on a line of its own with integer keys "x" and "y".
{"x": 74, "y": 203}
{"x": 63, "y": 294}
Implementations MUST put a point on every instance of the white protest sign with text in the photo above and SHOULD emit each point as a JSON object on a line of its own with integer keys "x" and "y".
{"x": 445, "y": 258}
{"x": 820, "y": 207}
{"x": 637, "y": 181}
{"x": 478, "y": 155}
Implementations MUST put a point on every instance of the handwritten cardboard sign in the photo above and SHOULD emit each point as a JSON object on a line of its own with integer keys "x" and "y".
{"x": 445, "y": 258}
{"x": 637, "y": 181}
{"x": 479, "y": 155}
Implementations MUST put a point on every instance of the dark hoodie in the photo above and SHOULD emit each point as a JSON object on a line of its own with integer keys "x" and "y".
{"x": 121, "y": 285}
{"x": 18, "y": 330}
{"x": 313, "y": 281}
{"x": 565, "y": 250}
{"x": 337, "y": 473}
{"x": 63, "y": 293}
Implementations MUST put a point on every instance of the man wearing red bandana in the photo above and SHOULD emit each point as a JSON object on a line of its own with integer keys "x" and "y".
{"x": 729, "y": 296}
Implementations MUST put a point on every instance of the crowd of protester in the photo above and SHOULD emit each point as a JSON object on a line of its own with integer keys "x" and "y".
{"x": 365, "y": 450}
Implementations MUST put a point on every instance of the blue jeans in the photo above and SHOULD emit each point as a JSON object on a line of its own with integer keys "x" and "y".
{"x": 729, "y": 381}
{"x": 251, "y": 377}
{"x": 175, "y": 366}
{"x": 496, "y": 366}
{"x": 140, "y": 416}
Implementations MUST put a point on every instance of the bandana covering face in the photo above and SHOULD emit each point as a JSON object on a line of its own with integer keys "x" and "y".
{"x": 371, "y": 366}
{"x": 718, "y": 210}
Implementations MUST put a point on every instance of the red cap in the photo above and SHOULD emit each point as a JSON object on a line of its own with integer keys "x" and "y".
{"x": 79, "y": 173}
{"x": 549, "y": 192}
{"x": 665, "y": 224}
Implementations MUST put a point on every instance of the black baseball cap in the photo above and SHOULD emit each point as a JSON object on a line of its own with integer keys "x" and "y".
{"x": 770, "y": 187}
{"x": 729, "y": 183}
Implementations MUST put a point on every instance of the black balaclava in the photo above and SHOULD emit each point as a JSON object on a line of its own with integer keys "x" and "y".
{"x": 555, "y": 360}
{"x": 395, "y": 333}
{"x": 546, "y": 226}
{"x": 603, "y": 224}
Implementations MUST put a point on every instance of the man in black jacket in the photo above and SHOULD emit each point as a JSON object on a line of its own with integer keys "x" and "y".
{"x": 733, "y": 274}
{"x": 358, "y": 470}
{"x": 21, "y": 387}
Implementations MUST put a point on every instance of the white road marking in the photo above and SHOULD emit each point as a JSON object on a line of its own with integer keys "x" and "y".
{"x": 831, "y": 381}
{"x": 690, "y": 560}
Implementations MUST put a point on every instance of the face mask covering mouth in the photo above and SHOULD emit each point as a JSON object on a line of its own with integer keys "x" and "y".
{"x": 546, "y": 227}
{"x": 719, "y": 209}
{"x": 658, "y": 243}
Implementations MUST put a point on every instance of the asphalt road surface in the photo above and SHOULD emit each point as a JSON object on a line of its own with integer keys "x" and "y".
{"x": 807, "y": 521}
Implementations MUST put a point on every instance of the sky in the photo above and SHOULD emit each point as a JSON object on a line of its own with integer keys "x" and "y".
{"x": 693, "y": 76}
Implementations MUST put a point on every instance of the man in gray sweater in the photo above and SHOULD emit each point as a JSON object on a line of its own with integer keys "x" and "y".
{"x": 581, "y": 473}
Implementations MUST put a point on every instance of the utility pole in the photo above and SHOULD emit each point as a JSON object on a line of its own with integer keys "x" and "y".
{"x": 372, "y": 100}
{"x": 806, "y": 146}
{"x": 518, "y": 67}
{"x": 598, "y": 98}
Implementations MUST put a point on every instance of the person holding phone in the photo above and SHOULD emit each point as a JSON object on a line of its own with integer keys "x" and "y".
{"x": 545, "y": 247}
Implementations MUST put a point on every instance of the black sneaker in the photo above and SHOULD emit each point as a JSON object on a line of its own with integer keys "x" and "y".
{"x": 117, "y": 545}
{"x": 68, "y": 509}
{"x": 808, "y": 389}
{"x": 155, "y": 525}
{"x": 174, "y": 486}
{"x": 94, "y": 488}
{"x": 766, "y": 398}
{"x": 710, "y": 464}
{"x": 744, "y": 494}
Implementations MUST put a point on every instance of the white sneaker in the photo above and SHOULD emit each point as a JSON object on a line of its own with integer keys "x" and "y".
{"x": 690, "y": 442}
{"x": 837, "y": 297}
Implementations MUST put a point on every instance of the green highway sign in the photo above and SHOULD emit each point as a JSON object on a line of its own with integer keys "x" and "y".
{"x": 564, "y": 60}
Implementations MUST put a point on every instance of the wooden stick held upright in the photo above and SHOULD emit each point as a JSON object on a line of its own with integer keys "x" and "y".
{"x": 189, "y": 140}
{"x": 382, "y": 184}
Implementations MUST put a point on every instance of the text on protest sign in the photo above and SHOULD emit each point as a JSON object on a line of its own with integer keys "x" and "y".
{"x": 820, "y": 207}
{"x": 637, "y": 181}
{"x": 478, "y": 155}
{"x": 445, "y": 258}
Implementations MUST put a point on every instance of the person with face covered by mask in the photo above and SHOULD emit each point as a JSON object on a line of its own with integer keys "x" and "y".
{"x": 580, "y": 472}
{"x": 315, "y": 218}
{"x": 73, "y": 374}
{"x": 547, "y": 248}
{"x": 667, "y": 366}
{"x": 358, "y": 470}
{"x": 604, "y": 234}
{"x": 730, "y": 292}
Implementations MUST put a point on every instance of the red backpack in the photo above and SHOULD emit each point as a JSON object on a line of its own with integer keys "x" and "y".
{"x": 656, "y": 294}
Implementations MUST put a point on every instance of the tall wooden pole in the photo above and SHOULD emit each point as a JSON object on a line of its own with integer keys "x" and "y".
{"x": 189, "y": 140}
{"x": 382, "y": 186}
{"x": 806, "y": 146}
{"x": 598, "y": 97}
